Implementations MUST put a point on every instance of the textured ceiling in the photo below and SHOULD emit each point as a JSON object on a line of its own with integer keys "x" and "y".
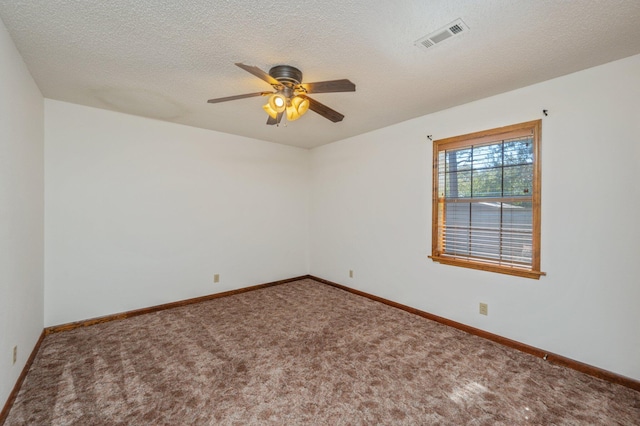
{"x": 164, "y": 58}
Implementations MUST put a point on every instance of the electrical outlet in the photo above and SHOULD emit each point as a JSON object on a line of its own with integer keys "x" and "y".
{"x": 350, "y": 273}
{"x": 216, "y": 278}
{"x": 484, "y": 309}
{"x": 15, "y": 354}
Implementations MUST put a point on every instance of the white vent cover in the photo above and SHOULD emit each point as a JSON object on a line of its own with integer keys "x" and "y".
{"x": 455, "y": 28}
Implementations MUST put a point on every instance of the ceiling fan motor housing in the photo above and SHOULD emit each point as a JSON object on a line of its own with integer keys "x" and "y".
{"x": 286, "y": 74}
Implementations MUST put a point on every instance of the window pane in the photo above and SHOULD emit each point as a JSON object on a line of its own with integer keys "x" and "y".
{"x": 517, "y": 230}
{"x": 518, "y": 180}
{"x": 457, "y": 174}
{"x": 487, "y": 156}
{"x": 487, "y": 183}
{"x": 459, "y": 159}
{"x": 458, "y": 184}
{"x": 499, "y": 232}
{"x": 485, "y": 232}
{"x": 456, "y": 229}
{"x": 519, "y": 151}
{"x": 441, "y": 174}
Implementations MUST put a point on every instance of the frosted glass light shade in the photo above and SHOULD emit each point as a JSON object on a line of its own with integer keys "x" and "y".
{"x": 272, "y": 112}
{"x": 297, "y": 108}
{"x": 277, "y": 102}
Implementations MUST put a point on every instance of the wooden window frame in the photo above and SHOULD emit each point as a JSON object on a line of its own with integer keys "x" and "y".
{"x": 480, "y": 138}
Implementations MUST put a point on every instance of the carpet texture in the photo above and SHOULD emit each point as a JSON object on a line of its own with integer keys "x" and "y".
{"x": 301, "y": 353}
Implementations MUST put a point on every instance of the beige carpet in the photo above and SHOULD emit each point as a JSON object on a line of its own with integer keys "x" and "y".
{"x": 296, "y": 354}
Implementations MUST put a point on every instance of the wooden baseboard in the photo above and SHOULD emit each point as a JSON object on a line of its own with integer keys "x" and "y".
{"x": 16, "y": 388}
{"x": 540, "y": 353}
{"x": 143, "y": 311}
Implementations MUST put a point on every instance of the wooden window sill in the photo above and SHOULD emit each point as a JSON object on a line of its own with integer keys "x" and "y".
{"x": 526, "y": 273}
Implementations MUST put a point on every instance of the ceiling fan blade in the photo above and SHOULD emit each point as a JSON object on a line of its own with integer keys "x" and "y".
{"x": 323, "y": 110}
{"x": 343, "y": 85}
{"x": 233, "y": 98}
{"x": 271, "y": 121}
{"x": 259, "y": 73}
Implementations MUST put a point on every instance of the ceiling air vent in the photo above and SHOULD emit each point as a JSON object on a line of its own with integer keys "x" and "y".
{"x": 453, "y": 29}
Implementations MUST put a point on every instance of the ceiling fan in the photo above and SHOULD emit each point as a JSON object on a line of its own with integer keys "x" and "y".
{"x": 290, "y": 94}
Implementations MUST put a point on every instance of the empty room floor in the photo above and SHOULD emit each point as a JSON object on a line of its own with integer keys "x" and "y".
{"x": 301, "y": 353}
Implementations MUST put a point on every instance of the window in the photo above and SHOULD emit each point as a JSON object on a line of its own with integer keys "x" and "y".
{"x": 486, "y": 200}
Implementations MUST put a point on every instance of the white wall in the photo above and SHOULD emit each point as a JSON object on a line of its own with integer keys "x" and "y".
{"x": 371, "y": 212}
{"x": 141, "y": 212}
{"x": 21, "y": 213}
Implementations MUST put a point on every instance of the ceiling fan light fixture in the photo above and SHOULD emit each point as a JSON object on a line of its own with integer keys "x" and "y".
{"x": 301, "y": 104}
{"x": 297, "y": 107}
{"x": 272, "y": 112}
{"x": 292, "y": 114}
{"x": 278, "y": 102}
